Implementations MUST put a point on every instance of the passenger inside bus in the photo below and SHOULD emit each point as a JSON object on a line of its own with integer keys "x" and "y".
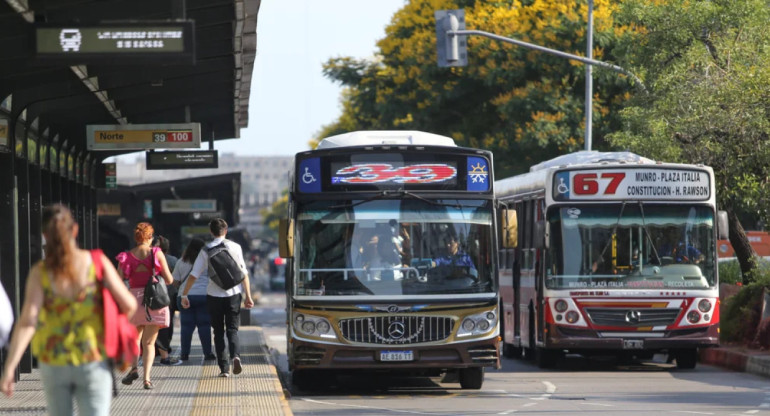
{"x": 677, "y": 250}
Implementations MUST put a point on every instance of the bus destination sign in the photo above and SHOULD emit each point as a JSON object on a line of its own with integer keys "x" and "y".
{"x": 187, "y": 159}
{"x": 163, "y": 42}
{"x": 143, "y": 136}
{"x": 621, "y": 184}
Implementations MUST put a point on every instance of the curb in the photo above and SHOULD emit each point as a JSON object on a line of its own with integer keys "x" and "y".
{"x": 737, "y": 360}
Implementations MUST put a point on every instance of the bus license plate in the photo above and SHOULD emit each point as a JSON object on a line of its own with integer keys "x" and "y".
{"x": 633, "y": 344}
{"x": 396, "y": 355}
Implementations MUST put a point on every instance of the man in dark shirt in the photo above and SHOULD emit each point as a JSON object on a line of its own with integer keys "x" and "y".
{"x": 454, "y": 257}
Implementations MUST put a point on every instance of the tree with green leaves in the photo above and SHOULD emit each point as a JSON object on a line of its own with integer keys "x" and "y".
{"x": 707, "y": 65}
{"x": 525, "y": 106}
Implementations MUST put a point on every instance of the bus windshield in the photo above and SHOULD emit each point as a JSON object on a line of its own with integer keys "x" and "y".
{"x": 631, "y": 245}
{"x": 394, "y": 247}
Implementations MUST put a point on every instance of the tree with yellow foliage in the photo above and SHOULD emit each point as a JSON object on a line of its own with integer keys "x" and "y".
{"x": 524, "y": 105}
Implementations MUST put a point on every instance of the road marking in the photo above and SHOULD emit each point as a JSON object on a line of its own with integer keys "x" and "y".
{"x": 412, "y": 412}
{"x": 529, "y": 404}
{"x": 507, "y": 412}
{"x": 549, "y": 387}
{"x": 277, "y": 337}
{"x": 751, "y": 412}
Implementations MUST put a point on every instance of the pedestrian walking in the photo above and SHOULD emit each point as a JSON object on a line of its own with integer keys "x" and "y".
{"x": 138, "y": 265}
{"x": 63, "y": 317}
{"x": 197, "y": 315}
{"x": 6, "y": 316}
{"x": 165, "y": 335}
{"x": 224, "y": 303}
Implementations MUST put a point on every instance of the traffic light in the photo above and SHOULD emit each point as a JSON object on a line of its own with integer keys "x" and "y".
{"x": 452, "y": 49}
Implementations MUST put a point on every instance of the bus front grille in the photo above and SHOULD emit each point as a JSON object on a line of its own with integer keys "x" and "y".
{"x": 396, "y": 329}
{"x": 632, "y": 317}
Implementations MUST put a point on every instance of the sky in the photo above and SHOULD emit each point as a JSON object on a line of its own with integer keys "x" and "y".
{"x": 290, "y": 98}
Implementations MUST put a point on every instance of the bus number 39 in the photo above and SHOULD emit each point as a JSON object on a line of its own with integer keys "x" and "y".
{"x": 588, "y": 183}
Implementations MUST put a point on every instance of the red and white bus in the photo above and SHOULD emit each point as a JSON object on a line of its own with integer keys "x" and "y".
{"x": 617, "y": 254}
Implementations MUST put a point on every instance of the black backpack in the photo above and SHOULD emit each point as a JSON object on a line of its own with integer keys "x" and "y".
{"x": 223, "y": 269}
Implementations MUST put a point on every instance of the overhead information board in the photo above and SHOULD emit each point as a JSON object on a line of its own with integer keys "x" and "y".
{"x": 120, "y": 43}
{"x": 188, "y": 205}
{"x": 143, "y": 136}
{"x": 187, "y": 159}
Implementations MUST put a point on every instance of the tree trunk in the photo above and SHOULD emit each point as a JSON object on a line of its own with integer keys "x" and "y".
{"x": 744, "y": 252}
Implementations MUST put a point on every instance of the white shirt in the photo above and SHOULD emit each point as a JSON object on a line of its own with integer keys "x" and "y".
{"x": 6, "y": 316}
{"x": 180, "y": 273}
{"x": 201, "y": 268}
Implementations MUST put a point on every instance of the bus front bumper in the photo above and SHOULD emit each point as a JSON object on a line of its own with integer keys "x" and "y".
{"x": 586, "y": 339}
{"x": 482, "y": 353}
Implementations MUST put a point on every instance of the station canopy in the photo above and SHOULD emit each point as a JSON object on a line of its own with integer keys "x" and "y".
{"x": 66, "y": 96}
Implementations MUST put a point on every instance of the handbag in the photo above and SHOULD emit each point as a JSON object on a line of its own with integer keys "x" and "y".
{"x": 120, "y": 337}
{"x": 155, "y": 292}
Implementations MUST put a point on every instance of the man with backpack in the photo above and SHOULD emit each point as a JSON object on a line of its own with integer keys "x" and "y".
{"x": 222, "y": 262}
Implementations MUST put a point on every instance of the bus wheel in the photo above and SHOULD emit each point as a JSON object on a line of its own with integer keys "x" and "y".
{"x": 472, "y": 378}
{"x": 686, "y": 358}
{"x": 548, "y": 358}
{"x": 509, "y": 351}
{"x": 304, "y": 379}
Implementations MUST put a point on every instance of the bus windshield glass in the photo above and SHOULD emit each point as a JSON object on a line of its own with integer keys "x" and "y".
{"x": 404, "y": 247}
{"x": 631, "y": 245}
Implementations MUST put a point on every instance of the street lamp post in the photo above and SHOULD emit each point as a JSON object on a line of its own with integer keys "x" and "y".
{"x": 589, "y": 75}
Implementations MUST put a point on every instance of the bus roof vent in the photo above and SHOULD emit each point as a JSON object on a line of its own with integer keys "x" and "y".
{"x": 589, "y": 156}
{"x": 385, "y": 137}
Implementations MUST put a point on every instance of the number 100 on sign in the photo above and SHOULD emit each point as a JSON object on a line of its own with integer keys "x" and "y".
{"x": 182, "y": 136}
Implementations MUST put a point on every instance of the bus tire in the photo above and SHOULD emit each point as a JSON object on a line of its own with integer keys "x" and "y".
{"x": 686, "y": 359}
{"x": 472, "y": 378}
{"x": 546, "y": 358}
{"x": 304, "y": 379}
{"x": 509, "y": 351}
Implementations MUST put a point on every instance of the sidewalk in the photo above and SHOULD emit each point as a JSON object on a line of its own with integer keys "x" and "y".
{"x": 192, "y": 388}
{"x": 738, "y": 359}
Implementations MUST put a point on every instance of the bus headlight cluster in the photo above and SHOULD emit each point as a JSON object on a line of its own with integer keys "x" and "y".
{"x": 700, "y": 311}
{"x": 313, "y": 325}
{"x": 477, "y": 324}
{"x": 565, "y": 311}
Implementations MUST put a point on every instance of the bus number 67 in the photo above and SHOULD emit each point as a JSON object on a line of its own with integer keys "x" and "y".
{"x": 588, "y": 183}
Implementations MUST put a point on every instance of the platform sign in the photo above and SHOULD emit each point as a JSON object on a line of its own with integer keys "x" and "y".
{"x": 188, "y": 205}
{"x": 143, "y": 136}
{"x": 188, "y": 159}
{"x": 116, "y": 43}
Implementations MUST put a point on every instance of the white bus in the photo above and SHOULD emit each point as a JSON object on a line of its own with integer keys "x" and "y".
{"x": 391, "y": 252}
{"x": 616, "y": 254}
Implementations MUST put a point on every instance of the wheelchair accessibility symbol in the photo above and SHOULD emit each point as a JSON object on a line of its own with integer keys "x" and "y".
{"x": 308, "y": 177}
{"x": 561, "y": 187}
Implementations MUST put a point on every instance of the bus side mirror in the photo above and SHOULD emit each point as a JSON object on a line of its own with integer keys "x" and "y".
{"x": 510, "y": 227}
{"x": 539, "y": 235}
{"x": 286, "y": 238}
{"x": 723, "y": 227}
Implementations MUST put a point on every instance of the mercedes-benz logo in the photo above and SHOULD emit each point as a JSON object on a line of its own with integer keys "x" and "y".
{"x": 632, "y": 317}
{"x": 396, "y": 330}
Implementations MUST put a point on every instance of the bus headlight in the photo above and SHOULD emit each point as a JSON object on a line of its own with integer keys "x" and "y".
{"x": 704, "y": 305}
{"x": 313, "y": 325}
{"x": 468, "y": 325}
{"x": 572, "y": 317}
{"x": 478, "y": 324}
{"x": 560, "y": 305}
{"x": 693, "y": 317}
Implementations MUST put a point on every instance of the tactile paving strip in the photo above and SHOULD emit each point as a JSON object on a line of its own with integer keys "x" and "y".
{"x": 192, "y": 388}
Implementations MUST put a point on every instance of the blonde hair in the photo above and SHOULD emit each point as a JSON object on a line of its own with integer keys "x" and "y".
{"x": 58, "y": 228}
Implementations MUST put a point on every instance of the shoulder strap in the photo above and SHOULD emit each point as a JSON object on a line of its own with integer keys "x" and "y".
{"x": 96, "y": 258}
